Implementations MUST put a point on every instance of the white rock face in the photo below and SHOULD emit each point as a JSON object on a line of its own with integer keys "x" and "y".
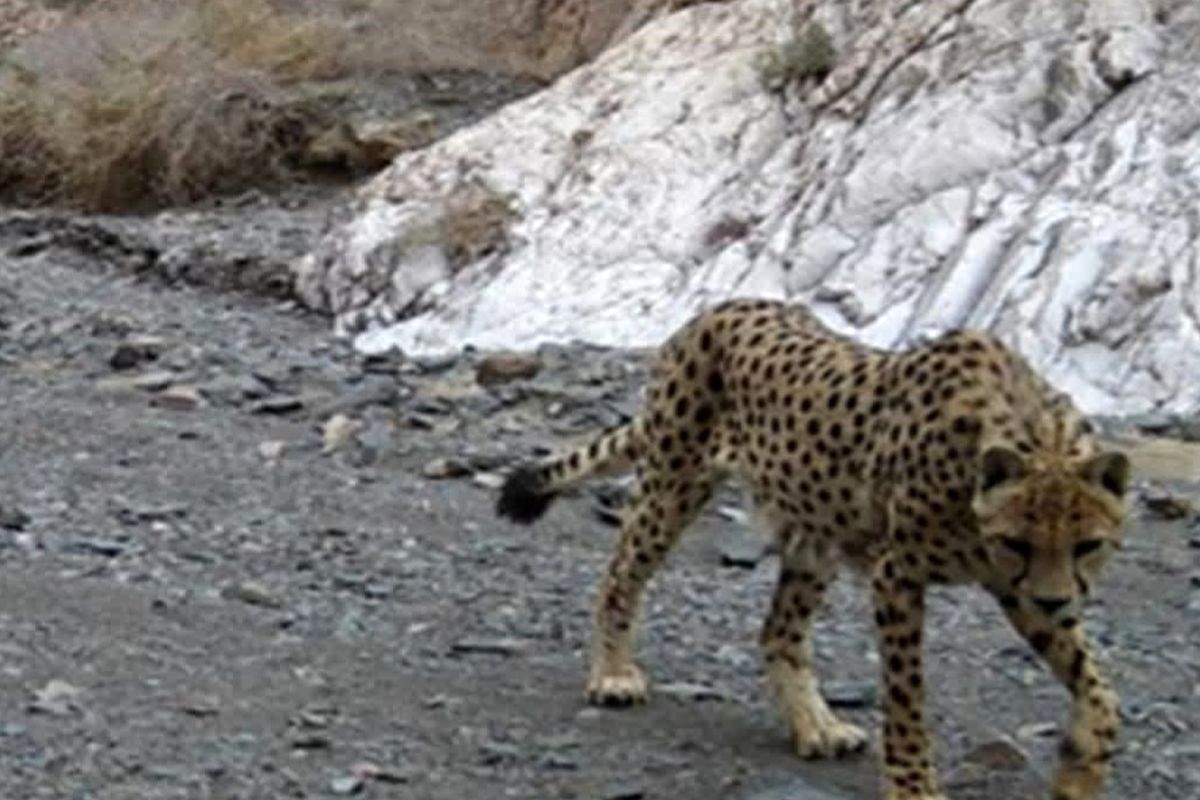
{"x": 1027, "y": 166}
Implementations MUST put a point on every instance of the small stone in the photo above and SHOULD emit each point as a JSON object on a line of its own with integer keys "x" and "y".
{"x": 623, "y": 791}
{"x": 134, "y": 352}
{"x": 315, "y": 717}
{"x": 1164, "y": 504}
{"x": 271, "y": 450}
{"x": 436, "y": 362}
{"x": 501, "y": 646}
{"x": 558, "y": 761}
{"x": 373, "y": 391}
{"x": 146, "y": 382}
{"x": 278, "y": 406}
{"x": 741, "y": 547}
{"x": 57, "y": 698}
{"x": 506, "y": 367}
{"x": 1000, "y": 754}
{"x": 488, "y": 480}
{"x": 446, "y": 468}
{"x": 13, "y": 518}
{"x": 1038, "y": 730}
{"x": 179, "y": 397}
{"x": 310, "y": 741}
{"x": 346, "y": 785}
{"x": 697, "y": 692}
{"x": 234, "y": 389}
{"x": 256, "y": 594}
{"x": 498, "y": 753}
{"x": 391, "y": 775}
{"x": 109, "y": 548}
{"x": 338, "y": 431}
{"x": 851, "y": 695}
{"x": 200, "y": 706}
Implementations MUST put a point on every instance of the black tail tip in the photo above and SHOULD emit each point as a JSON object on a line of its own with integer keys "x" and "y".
{"x": 522, "y": 498}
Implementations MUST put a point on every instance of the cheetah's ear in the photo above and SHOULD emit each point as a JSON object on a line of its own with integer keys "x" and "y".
{"x": 1109, "y": 471}
{"x": 999, "y": 465}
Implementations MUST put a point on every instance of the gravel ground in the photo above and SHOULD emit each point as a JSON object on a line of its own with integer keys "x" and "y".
{"x": 239, "y": 561}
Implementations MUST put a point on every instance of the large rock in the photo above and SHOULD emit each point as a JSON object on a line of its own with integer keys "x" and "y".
{"x": 1028, "y": 166}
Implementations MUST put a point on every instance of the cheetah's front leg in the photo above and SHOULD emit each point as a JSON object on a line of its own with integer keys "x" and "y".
{"x": 1088, "y": 744}
{"x": 908, "y": 768}
{"x": 787, "y": 646}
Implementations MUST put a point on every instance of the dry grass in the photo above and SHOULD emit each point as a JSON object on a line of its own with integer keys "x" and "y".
{"x": 134, "y": 104}
{"x": 140, "y": 104}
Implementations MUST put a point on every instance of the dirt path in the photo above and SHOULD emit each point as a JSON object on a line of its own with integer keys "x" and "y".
{"x": 201, "y": 598}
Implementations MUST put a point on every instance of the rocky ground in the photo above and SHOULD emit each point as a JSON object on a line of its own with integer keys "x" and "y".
{"x": 239, "y": 561}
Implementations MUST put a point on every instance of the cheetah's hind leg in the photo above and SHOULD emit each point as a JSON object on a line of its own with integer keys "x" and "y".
{"x": 651, "y": 525}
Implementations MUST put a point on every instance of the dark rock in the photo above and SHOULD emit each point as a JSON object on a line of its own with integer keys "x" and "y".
{"x": 13, "y": 518}
{"x": 128, "y": 355}
{"x": 109, "y": 548}
{"x": 558, "y": 761}
{"x": 852, "y": 695}
{"x": 276, "y": 406}
{"x": 505, "y": 646}
{"x": 493, "y": 753}
{"x": 506, "y": 367}
{"x": 1165, "y": 504}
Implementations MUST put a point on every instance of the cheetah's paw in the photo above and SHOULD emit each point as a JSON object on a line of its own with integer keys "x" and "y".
{"x": 624, "y": 687}
{"x": 831, "y": 739}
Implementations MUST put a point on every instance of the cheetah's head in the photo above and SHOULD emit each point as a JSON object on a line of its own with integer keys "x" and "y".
{"x": 1049, "y": 527}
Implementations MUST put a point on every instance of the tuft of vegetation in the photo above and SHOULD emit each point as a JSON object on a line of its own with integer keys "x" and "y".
{"x": 141, "y": 104}
{"x": 474, "y": 222}
{"x": 810, "y": 55}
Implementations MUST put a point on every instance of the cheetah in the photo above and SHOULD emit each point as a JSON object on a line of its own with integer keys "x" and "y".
{"x": 951, "y": 462}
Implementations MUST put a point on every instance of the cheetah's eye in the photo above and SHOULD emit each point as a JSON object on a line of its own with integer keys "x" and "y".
{"x": 1018, "y": 547}
{"x": 1087, "y": 547}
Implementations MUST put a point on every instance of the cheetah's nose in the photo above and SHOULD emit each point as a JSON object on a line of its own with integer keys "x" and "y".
{"x": 1051, "y": 605}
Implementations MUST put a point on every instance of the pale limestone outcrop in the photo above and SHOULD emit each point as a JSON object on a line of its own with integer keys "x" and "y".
{"x": 1028, "y": 166}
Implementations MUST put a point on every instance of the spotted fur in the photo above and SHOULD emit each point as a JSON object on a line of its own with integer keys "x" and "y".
{"x": 951, "y": 462}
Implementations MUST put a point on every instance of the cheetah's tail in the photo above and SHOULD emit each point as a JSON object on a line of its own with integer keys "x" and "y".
{"x": 531, "y": 488}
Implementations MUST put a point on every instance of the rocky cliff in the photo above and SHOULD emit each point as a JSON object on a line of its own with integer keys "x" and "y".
{"x": 1028, "y": 166}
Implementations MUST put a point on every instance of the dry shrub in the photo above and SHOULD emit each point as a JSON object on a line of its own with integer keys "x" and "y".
{"x": 474, "y": 222}
{"x": 255, "y": 35}
{"x": 139, "y": 104}
{"x": 524, "y": 38}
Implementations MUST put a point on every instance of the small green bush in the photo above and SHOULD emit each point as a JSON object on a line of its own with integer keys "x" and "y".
{"x": 810, "y": 55}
